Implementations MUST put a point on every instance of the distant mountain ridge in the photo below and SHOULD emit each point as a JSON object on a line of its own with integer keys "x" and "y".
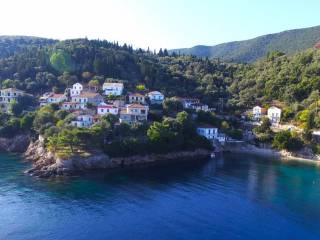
{"x": 289, "y": 42}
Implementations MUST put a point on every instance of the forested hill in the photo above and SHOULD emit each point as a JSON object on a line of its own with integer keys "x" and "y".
{"x": 292, "y": 82}
{"x": 10, "y": 45}
{"x": 39, "y": 69}
{"x": 289, "y": 42}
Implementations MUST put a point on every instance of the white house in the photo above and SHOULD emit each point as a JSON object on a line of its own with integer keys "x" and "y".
{"x": 134, "y": 113}
{"x": 76, "y": 89}
{"x": 71, "y": 106}
{"x": 9, "y": 94}
{"x": 104, "y": 109}
{"x": 56, "y": 98}
{"x": 115, "y": 89}
{"x": 88, "y": 97}
{"x": 258, "y": 112}
{"x": 44, "y": 98}
{"x": 274, "y": 115}
{"x": 208, "y": 132}
{"x": 188, "y": 102}
{"x": 83, "y": 121}
{"x": 136, "y": 98}
{"x": 156, "y": 97}
{"x": 199, "y": 107}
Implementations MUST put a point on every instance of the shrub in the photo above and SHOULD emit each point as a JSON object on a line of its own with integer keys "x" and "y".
{"x": 287, "y": 140}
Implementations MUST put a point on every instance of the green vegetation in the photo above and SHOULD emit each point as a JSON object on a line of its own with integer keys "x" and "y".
{"x": 287, "y": 140}
{"x": 57, "y": 66}
{"x": 292, "y": 82}
{"x": 10, "y": 45}
{"x": 289, "y": 42}
{"x": 140, "y": 87}
{"x": 119, "y": 140}
{"x": 263, "y": 132}
{"x": 61, "y": 61}
{"x": 21, "y": 104}
{"x": 11, "y": 125}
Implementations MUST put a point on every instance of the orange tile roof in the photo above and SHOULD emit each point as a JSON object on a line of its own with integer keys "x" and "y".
{"x": 136, "y": 105}
{"x": 136, "y": 95}
{"x": 89, "y": 94}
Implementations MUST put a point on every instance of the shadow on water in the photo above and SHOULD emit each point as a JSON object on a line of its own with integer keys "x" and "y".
{"x": 99, "y": 184}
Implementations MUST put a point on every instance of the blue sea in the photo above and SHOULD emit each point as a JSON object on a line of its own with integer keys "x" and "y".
{"x": 230, "y": 197}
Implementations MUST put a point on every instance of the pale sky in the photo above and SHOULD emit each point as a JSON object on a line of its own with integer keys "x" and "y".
{"x": 156, "y": 23}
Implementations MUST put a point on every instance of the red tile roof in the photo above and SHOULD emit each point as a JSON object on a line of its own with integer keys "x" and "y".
{"x": 57, "y": 95}
{"x": 107, "y": 106}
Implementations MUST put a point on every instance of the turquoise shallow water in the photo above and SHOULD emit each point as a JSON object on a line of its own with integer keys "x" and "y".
{"x": 232, "y": 197}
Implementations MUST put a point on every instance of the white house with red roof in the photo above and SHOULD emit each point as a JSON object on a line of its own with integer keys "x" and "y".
{"x": 258, "y": 112}
{"x": 88, "y": 97}
{"x": 57, "y": 98}
{"x": 137, "y": 98}
{"x": 49, "y": 98}
{"x": 133, "y": 113}
{"x": 8, "y": 95}
{"x": 105, "y": 109}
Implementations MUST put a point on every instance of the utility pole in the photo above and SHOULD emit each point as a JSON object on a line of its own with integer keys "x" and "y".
{"x": 221, "y": 102}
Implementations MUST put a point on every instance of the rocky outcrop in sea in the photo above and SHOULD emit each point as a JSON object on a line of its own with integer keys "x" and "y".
{"x": 47, "y": 164}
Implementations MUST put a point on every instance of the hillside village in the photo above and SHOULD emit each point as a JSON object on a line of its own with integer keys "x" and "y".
{"x": 89, "y": 104}
{"x": 227, "y": 102}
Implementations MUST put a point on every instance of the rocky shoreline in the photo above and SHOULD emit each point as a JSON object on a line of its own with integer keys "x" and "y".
{"x": 46, "y": 164}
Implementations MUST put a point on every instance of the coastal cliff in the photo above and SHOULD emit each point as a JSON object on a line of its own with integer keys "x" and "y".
{"x": 47, "y": 164}
{"x": 16, "y": 144}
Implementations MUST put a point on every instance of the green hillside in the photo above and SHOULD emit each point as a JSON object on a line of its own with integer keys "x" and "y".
{"x": 292, "y": 82}
{"x": 288, "y": 42}
{"x": 10, "y": 45}
{"x": 58, "y": 66}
